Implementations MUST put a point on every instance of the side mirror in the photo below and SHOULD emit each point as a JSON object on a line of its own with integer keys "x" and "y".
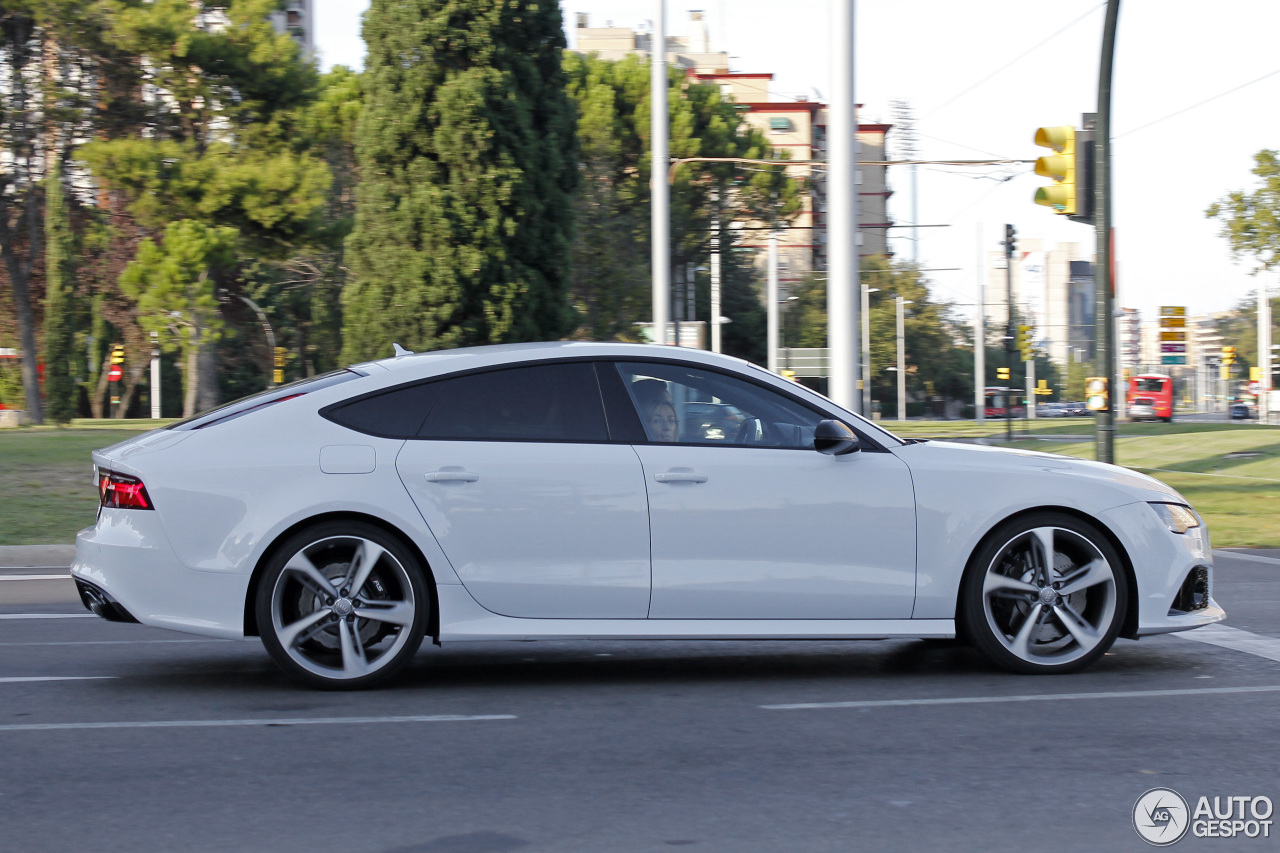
{"x": 834, "y": 439}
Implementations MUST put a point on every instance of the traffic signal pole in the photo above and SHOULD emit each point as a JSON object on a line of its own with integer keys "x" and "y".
{"x": 1104, "y": 433}
{"x": 1009, "y": 236}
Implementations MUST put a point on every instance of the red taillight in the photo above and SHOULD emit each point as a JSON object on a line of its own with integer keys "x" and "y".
{"x": 116, "y": 491}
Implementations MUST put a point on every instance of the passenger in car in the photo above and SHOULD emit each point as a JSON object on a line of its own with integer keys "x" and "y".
{"x": 656, "y": 409}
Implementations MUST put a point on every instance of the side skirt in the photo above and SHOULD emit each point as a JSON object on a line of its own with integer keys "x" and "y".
{"x": 463, "y": 620}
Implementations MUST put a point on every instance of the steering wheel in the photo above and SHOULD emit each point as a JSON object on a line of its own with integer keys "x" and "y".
{"x": 747, "y": 431}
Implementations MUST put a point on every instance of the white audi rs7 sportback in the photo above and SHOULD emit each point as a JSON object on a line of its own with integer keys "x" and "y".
{"x": 617, "y": 491}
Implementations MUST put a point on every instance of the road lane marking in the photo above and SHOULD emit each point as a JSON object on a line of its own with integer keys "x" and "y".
{"x": 1254, "y": 558}
{"x": 33, "y": 568}
{"x": 114, "y": 642}
{"x": 48, "y": 616}
{"x": 35, "y": 577}
{"x": 1034, "y": 697}
{"x": 282, "y": 721}
{"x": 14, "y": 679}
{"x": 1235, "y": 639}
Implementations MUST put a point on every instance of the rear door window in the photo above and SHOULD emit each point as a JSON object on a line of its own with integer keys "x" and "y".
{"x": 543, "y": 402}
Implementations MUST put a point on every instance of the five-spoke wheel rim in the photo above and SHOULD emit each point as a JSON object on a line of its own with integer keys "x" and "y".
{"x": 343, "y": 607}
{"x": 1049, "y": 596}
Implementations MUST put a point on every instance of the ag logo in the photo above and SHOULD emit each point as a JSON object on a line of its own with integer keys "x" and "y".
{"x": 1160, "y": 816}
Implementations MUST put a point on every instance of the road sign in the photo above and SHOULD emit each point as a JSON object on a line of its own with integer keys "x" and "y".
{"x": 1173, "y": 336}
{"x": 1173, "y": 310}
{"x": 1172, "y": 322}
{"x": 1173, "y": 348}
{"x": 114, "y": 374}
{"x": 1173, "y": 359}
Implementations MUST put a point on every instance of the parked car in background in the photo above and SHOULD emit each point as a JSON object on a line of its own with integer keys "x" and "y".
{"x": 1243, "y": 411}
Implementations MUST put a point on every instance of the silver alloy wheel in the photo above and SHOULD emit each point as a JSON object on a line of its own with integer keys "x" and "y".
{"x": 1049, "y": 596}
{"x": 343, "y": 607}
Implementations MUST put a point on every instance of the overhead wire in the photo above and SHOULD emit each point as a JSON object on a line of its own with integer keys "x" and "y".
{"x": 1200, "y": 104}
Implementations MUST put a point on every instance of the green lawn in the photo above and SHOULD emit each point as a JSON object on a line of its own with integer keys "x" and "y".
{"x": 46, "y": 472}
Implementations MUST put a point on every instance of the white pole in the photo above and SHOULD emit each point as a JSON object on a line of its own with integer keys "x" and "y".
{"x": 868, "y": 406}
{"x": 155, "y": 375}
{"x": 660, "y": 206}
{"x": 1264, "y": 354}
{"x": 715, "y": 270}
{"x": 1031, "y": 389}
{"x": 771, "y": 296}
{"x": 980, "y": 339}
{"x": 902, "y": 363}
{"x": 842, "y": 218}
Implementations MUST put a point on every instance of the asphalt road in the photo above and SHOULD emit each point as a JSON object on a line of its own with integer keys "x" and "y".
{"x": 160, "y": 741}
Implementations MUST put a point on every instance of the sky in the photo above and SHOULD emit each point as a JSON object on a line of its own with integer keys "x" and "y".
{"x": 981, "y": 77}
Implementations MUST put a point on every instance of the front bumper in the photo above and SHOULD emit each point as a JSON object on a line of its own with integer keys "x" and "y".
{"x": 128, "y": 560}
{"x": 1162, "y": 560}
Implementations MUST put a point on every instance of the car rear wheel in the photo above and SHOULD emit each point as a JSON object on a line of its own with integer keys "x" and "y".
{"x": 1044, "y": 594}
{"x": 342, "y": 605}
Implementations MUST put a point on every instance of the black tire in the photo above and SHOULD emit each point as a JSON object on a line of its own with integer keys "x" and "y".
{"x": 1077, "y": 618}
{"x": 327, "y": 635}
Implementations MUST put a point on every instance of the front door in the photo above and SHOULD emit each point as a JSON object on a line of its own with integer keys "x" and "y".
{"x": 538, "y": 513}
{"x": 749, "y": 522}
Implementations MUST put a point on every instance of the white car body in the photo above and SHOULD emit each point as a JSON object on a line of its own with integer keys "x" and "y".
{"x": 774, "y": 544}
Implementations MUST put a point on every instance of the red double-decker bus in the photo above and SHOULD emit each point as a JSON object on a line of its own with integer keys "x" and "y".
{"x": 1151, "y": 397}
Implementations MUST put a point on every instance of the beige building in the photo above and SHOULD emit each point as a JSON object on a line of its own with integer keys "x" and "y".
{"x": 1052, "y": 291}
{"x": 797, "y": 126}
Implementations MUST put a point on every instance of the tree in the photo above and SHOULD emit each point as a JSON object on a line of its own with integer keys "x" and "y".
{"x": 175, "y": 288}
{"x": 60, "y": 389}
{"x": 1251, "y": 221}
{"x": 467, "y": 155}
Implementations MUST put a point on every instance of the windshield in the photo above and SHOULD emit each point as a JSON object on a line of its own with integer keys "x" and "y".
{"x": 1148, "y": 385}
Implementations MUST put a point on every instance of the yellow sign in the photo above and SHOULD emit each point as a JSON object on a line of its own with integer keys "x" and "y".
{"x": 277, "y": 376}
{"x": 1173, "y": 310}
{"x": 1255, "y": 374}
{"x": 1173, "y": 322}
{"x": 1042, "y": 384}
{"x": 1173, "y": 336}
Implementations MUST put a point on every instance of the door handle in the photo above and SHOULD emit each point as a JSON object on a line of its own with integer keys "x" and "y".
{"x": 680, "y": 477}
{"x": 451, "y": 477}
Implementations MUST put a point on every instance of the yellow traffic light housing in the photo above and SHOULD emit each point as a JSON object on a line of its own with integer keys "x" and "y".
{"x": 117, "y": 354}
{"x": 1025, "y": 345}
{"x": 1228, "y": 356}
{"x": 1095, "y": 391}
{"x": 1002, "y": 373}
{"x": 1060, "y": 166}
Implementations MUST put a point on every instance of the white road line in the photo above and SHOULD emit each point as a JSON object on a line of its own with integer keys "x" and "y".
{"x": 1235, "y": 639}
{"x": 1035, "y": 697}
{"x": 14, "y": 679}
{"x": 29, "y": 568}
{"x": 115, "y": 642}
{"x": 283, "y": 721}
{"x": 48, "y": 616}
{"x": 35, "y": 577}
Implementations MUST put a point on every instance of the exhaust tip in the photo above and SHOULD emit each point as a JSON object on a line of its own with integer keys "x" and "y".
{"x": 102, "y": 604}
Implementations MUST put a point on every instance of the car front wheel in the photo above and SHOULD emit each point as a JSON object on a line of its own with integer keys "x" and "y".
{"x": 1044, "y": 594}
{"x": 342, "y": 605}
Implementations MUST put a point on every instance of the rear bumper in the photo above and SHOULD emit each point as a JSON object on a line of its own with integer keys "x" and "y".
{"x": 126, "y": 558}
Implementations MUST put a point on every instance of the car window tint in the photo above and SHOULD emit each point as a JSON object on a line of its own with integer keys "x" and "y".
{"x": 689, "y": 405}
{"x": 546, "y": 402}
{"x": 397, "y": 413}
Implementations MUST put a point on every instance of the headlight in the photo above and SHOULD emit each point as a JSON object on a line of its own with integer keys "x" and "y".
{"x": 1176, "y": 517}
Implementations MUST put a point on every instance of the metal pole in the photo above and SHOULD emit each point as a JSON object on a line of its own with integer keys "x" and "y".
{"x": 902, "y": 364}
{"x": 1264, "y": 354}
{"x": 1008, "y": 331}
{"x": 1104, "y": 295}
{"x": 980, "y": 340}
{"x": 660, "y": 204}
{"x": 155, "y": 375}
{"x": 771, "y": 297}
{"x": 842, "y": 218}
{"x": 271, "y": 335}
{"x": 690, "y": 285}
{"x": 1031, "y": 390}
{"x": 715, "y": 270}
{"x": 915, "y": 220}
{"x": 868, "y": 407}
{"x": 675, "y": 309}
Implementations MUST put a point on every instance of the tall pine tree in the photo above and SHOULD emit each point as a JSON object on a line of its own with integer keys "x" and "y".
{"x": 468, "y": 161}
{"x": 60, "y": 389}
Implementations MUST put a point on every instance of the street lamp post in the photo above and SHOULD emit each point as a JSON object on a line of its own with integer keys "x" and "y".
{"x": 866, "y": 348}
{"x": 902, "y": 365}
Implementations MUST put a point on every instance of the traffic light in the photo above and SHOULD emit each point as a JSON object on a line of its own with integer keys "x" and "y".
{"x": 1070, "y": 167}
{"x": 1228, "y": 356}
{"x": 1002, "y": 373}
{"x": 1061, "y": 166}
{"x": 1095, "y": 392}
{"x": 278, "y": 356}
{"x": 1010, "y": 240}
{"x": 117, "y": 354}
{"x": 1025, "y": 346}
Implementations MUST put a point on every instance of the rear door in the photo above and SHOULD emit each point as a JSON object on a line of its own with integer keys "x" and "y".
{"x": 538, "y": 512}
